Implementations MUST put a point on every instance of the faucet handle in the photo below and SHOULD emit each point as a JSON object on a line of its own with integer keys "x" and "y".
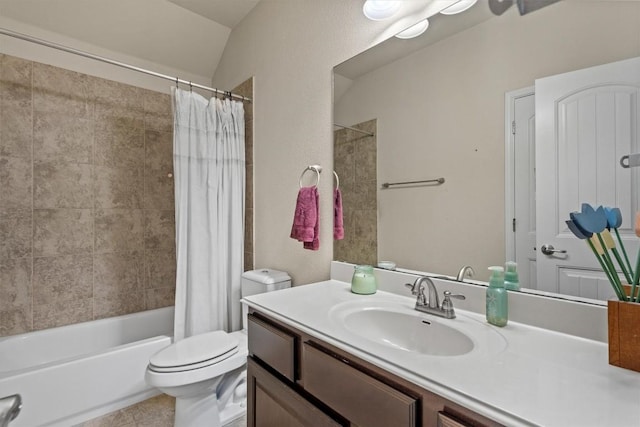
{"x": 414, "y": 291}
{"x": 448, "y": 295}
{"x": 416, "y": 288}
{"x": 447, "y": 305}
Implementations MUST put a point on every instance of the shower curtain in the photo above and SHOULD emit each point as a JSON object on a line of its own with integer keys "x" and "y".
{"x": 209, "y": 169}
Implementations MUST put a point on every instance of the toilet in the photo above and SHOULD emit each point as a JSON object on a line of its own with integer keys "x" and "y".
{"x": 206, "y": 373}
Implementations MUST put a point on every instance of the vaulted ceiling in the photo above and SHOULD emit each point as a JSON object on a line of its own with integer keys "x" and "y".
{"x": 188, "y": 35}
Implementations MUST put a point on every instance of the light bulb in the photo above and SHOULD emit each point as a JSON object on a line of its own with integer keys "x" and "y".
{"x": 414, "y": 30}
{"x": 378, "y": 10}
{"x": 461, "y": 6}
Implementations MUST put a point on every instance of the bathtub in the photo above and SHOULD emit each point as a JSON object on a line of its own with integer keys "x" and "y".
{"x": 75, "y": 373}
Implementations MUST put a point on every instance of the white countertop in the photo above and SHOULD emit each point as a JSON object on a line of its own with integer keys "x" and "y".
{"x": 529, "y": 376}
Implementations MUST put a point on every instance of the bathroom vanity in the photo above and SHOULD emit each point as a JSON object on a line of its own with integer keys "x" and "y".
{"x": 295, "y": 379}
{"x": 322, "y": 356}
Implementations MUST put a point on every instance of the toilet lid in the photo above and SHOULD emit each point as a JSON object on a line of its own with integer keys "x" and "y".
{"x": 196, "y": 351}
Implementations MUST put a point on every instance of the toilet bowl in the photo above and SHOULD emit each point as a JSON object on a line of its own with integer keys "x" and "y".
{"x": 206, "y": 373}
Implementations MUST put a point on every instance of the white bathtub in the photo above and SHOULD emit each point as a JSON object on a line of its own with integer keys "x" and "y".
{"x": 74, "y": 373}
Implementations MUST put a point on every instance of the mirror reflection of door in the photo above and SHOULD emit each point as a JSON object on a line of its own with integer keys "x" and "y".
{"x": 585, "y": 121}
{"x": 521, "y": 203}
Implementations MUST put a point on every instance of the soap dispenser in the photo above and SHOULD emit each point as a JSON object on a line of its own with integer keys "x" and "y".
{"x": 511, "y": 282}
{"x": 497, "y": 298}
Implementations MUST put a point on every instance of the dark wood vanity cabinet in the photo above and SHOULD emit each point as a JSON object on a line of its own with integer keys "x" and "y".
{"x": 273, "y": 403}
{"x": 295, "y": 380}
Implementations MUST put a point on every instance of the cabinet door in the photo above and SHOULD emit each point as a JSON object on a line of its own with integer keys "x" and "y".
{"x": 271, "y": 403}
{"x": 362, "y": 399}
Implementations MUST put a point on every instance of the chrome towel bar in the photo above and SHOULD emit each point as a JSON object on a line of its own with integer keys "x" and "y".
{"x": 426, "y": 181}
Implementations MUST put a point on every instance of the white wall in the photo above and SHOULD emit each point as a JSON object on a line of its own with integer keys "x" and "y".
{"x": 441, "y": 114}
{"x": 291, "y": 46}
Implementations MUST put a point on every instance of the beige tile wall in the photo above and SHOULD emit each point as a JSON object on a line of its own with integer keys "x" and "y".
{"x": 86, "y": 206}
{"x": 355, "y": 162}
{"x": 246, "y": 89}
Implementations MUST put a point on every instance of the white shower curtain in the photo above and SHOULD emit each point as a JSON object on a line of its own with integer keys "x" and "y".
{"x": 209, "y": 169}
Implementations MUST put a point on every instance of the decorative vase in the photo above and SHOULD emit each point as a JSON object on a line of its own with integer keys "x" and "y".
{"x": 624, "y": 334}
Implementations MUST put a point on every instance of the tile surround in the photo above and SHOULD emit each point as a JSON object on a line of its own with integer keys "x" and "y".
{"x": 16, "y": 274}
{"x": 355, "y": 162}
{"x": 62, "y": 185}
{"x": 75, "y": 154}
{"x": 86, "y": 208}
{"x": 59, "y": 137}
{"x": 62, "y": 231}
{"x": 16, "y": 233}
{"x": 16, "y": 183}
{"x": 246, "y": 89}
{"x": 62, "y": 278}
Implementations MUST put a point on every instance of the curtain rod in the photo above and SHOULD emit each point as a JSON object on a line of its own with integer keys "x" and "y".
{"x": 117, "y": 63}
{"x": 354, "y": 129}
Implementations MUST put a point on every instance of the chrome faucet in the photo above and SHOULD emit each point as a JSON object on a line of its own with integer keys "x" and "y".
{"x": 467, "y": 270}
{"x": 9, "y": 409}
{"x": 430, "y": 303}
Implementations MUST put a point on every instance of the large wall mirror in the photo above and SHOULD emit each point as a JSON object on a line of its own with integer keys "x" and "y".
{"x": 440, "y": 106}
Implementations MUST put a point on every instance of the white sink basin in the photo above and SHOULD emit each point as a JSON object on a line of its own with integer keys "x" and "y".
{"x": 407, "y": 332}
{"x": 399, "y": 327}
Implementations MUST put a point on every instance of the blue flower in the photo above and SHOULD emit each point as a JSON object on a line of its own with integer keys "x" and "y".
{"x": 577, "y": 231}
{"x": 589, "y": 219}
{"x": 614, "y": 217}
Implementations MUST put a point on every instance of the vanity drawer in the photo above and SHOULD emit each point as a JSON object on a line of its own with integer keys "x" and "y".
{"x": 272, "y": 345}
{"x": 445, "y": 420}
{"x": 360, "y": 398}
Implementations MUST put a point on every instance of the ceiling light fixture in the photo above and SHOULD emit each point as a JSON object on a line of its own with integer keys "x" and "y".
{"x": 379, "y": 10}
{"x": 414, "y": 30}
{"x": 461, "y": 6}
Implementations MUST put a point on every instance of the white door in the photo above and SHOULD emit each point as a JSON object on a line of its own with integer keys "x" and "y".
{"x": 524, "y": 220}
{"x": 585, "y": 121}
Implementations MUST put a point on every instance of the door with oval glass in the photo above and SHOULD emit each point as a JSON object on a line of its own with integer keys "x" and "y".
{"x": 586, "y": 120}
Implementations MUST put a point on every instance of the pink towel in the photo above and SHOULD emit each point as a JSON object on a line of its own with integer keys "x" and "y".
{"x": 305, "y": 219}
{"x": 338, "y": 221}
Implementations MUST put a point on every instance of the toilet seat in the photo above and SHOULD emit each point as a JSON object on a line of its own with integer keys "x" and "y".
{"x": 196, "y": 352}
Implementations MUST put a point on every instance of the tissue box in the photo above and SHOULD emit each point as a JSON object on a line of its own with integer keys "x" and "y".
{"x": 624, "y": 334}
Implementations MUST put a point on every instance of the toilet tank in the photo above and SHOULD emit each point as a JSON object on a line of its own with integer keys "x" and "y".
{"x": 264, "y": 280}
{"x": 261, "y": 281}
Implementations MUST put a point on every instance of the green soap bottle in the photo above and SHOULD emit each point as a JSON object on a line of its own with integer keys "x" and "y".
{"x": 511, "y": 282}
{"x": 497, "y": 298}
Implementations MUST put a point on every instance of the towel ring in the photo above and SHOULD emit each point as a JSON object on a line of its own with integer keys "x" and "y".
{"x": 315, "y": 168}
{"x": 337, "y": 179}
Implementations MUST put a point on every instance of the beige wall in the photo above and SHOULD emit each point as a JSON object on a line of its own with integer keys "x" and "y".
{"x": 441, "y": 114}
{"x": 46, "y": 55}
{"x": 290, "y": 47}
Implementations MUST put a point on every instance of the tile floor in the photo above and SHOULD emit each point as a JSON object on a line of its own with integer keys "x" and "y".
{"x": 155, "y": 412}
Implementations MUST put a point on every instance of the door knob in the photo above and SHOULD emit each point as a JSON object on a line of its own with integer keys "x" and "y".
{"x": 550, "y": 250}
